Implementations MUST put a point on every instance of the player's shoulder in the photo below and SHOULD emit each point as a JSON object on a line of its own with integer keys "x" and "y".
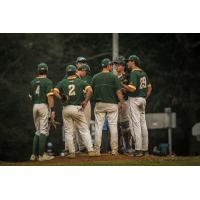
{"x": 48, "y": 80}
{"x": 80, "y": 81}
{"x": 97, "y": 75}
{"x": 33, "y": 80}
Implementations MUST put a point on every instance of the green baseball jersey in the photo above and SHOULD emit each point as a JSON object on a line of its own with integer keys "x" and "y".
{"x": 73, "y": 88}
{"x": 139, "y": 80}
{"x": 105, "y": 86}
{"x": 40, "y": 89}
{"x": 87, "y": 79}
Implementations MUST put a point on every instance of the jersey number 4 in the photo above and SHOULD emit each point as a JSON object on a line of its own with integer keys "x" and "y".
{"x": 143, "y": 82}
{"x": 72, "y": 91}
{"x": 37, "y": 91}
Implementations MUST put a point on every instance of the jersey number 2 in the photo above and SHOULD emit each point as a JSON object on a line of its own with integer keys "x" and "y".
{"x": 71, "y": 90}
{"x": 143, "y": 82}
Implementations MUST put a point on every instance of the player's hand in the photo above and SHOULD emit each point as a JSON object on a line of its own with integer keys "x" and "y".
{"x": 122, "y": 107}
{"x": 84, "y": 104}
{"x": 53, "y": 115}
{"x": 124, "y": 90}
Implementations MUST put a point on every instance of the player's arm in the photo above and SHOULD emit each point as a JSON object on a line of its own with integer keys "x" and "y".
{"x": 49, "y": 92}
{"x": 149, "y": 90}
{"x": 121, "y": 99}
{"x": 30, "y": 95}
{"x": 88, "y": 94}
{"x": 149, "y": 87}
{"x": 131, "y": 87}
{"x": 50, "y": 99}
{"x": 56, "y": 91}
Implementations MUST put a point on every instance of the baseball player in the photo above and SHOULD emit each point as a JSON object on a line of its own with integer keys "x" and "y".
{"x": 42, "y": 99}
{"x": 107, "y": 91}
{"x": 73, "y": 112}
{"x": 139, "y": 89}
{"x": 80, "y": 147}
{"x": 84, "y": 71}
{"x": 124, "y": 135}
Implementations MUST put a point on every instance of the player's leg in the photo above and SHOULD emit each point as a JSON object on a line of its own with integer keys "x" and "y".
{"x": 44, "y": 131}
{"x": 112, "y": 116}
{"x": 99, "y": 114}
{"x": 69, "y": 129}
{"x": 82, "y": 126}
{"x": 144, "y": 127}
{"x": 78, "y": 142}
{"x": 35, "y": 146}
{"x": 130, "y": 120}
{"x": 87, "y": 112}
{"x": 135, "y": 119}
{"x": 120, "y": 138}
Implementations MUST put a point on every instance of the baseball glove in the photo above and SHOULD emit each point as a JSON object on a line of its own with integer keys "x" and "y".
{"x": 64, "y": 99}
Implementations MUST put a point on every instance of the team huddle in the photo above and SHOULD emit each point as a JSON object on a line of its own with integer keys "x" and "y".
{"x": 120, "y": 98}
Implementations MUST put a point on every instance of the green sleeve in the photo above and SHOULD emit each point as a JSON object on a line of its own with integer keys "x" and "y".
{"x": 89, "y": 80}
{"x": 85, "y": 85}
{"x": 133, "y": 79}
{"x": 59, "y": 87}
{"x": 92, "y": 82}
{"x": 117, "y": 83}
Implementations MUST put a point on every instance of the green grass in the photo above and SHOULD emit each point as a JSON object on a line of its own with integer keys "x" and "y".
{"x": 156, "y": 161}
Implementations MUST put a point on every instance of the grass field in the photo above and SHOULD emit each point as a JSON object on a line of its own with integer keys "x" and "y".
{"x": 108, "y": 160}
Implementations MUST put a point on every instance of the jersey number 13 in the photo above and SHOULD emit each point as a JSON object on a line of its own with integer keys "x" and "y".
{"x": 143, "y": 82}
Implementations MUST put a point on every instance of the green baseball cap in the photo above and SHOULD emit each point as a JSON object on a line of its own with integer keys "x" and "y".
{"x": 134, "y": 58}
{"x": 105, "y": 62}
{"x": 84, "y": 67}
{"x": 42, "y": 67}
{"x": 70, "y": 68}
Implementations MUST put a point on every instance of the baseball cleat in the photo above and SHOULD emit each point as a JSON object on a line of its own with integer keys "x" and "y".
{"x": 71, "y": 156}
{"x": 114, "y": 153}
{"x": 138, "y": 153}
{"x": 97, "y": 153}
{"x": 33, "y": 157}
{"x": 45, "y": 157}
{"x": 93, "y": 154}
{"x": 146, "y": 153}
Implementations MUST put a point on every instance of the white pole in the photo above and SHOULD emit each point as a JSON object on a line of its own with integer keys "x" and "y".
{"x": 115, "y": 46}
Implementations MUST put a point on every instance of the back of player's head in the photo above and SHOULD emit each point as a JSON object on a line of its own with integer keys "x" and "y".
{"x": 42, "y": 69}
{"x": 105, "y": 62}
{"x": 71, "y": 70}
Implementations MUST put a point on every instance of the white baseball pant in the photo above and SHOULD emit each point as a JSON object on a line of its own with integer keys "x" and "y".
{"x": 40, "y": 117}
{"x": 137, "y": 122}
{"x": 111, "y": 111}
{"x": 74, "y": 114}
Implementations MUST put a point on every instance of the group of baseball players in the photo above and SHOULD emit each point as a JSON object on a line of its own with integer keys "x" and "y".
{"x": 119, "y": 91}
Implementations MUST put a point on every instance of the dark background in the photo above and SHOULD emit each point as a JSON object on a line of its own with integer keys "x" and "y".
{"x": 170, "y": 60}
